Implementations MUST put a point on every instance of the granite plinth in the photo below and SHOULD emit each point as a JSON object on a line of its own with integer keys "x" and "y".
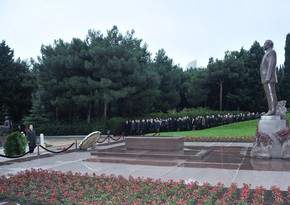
{"x": 218, "y": 157}
{"x": 154, "y": 143}
{"x": 269, "y": 125}
{"x": 188, "y": 153}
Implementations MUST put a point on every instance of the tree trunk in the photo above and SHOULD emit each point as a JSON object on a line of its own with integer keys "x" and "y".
{"x": 105, "y": 109}
{"x": 221, "y": 95}
{"x": 89, "y": 112}
{"x": 56, "y": 115}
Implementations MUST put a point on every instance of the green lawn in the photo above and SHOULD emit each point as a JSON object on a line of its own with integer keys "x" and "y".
{"x": 240, "y": 129}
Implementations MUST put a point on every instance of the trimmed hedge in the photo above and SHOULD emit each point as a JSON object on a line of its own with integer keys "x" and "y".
{"x": 115, "y": 125}
{"x": 15, "y": 144}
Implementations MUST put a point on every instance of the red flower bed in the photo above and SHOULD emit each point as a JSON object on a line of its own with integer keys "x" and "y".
{"x": 219, "y": 139}
{"x": 54, "y": 187}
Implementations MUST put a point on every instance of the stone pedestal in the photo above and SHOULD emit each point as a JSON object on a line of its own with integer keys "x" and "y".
{"x": 267, "y": 144}
{"x": 154, "y": 143}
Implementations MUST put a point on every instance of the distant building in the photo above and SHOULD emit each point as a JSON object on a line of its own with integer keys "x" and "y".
{"x": 192, "y": 64}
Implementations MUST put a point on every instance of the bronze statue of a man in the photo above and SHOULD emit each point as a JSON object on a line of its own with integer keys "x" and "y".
{"x": 268, "y": 76}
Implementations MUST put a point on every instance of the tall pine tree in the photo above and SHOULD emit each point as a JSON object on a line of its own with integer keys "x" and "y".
{"x": 16, "y": 85}
{"x": 285, "y": 83}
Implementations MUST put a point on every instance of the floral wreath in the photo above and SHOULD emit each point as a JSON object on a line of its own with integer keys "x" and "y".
{"x": 283, "y": 135}
{"x": 263, "y": 138}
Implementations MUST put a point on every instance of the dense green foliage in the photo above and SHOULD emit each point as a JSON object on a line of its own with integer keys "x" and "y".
{"x": 109, "y": 76}
{"x": 17, "y": 83}
{"x": 114, "y": 124}
{"x": 15, "y": 144}
{"x": 285, "y": 73}
{"x": 114, "y": 76}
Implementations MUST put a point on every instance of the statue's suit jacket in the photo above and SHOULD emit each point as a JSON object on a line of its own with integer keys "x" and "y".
{"x": 268, "y": 66}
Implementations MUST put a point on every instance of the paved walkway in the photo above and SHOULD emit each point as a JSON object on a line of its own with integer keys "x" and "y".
{"x": 77, "y": 161}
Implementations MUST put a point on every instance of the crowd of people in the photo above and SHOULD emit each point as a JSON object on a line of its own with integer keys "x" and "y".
{"x": 144, "y": 126}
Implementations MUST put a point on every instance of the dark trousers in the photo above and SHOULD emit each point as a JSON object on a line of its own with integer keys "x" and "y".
{"x": 270, "y": 92}
{"x": 31, "y": 149}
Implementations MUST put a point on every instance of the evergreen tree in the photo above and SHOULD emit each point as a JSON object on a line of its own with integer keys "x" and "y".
{"x": 6, "y": 77}
{"x": 280, "y": 75}
{"x": 227, "y": 74}
{"x": 195, "y": 87}
{"x": 121, "y": 67}
{"x": 64, "y": 80}
{"x": 255, "y": 92}
{"x": 285, "y": 84}
{"x": 170, "y": 82}
{"x": 234, "y": 85}
{"x": 37, "y": 114}
{"x": 25, "y": 84}
{"x": 52, "y": 71}
{"x": 17, "y": 82}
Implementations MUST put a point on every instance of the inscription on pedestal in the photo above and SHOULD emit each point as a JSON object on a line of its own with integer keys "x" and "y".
{"x": 271, "y": 117}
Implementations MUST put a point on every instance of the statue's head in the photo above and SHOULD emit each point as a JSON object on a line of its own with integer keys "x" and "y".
{"x": 268, "y": 44}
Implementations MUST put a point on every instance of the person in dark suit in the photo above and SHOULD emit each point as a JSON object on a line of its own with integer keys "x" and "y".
{"x": 31, "y": 138}
{"x": 268, "y": 76}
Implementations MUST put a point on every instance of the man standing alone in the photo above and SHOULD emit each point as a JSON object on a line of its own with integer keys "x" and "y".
{"x": 31, "y": 138}
{"x": 268, "y": 76}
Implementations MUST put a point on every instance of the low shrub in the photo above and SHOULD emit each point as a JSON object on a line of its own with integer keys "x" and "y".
{"x": 115, "y": 125}
{"x": 15, "y": 144}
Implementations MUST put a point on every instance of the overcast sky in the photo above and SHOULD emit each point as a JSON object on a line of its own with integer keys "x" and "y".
{"x": 186, "y": 29}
